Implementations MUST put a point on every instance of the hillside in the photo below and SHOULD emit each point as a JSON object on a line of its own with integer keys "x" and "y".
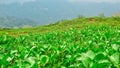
{"x": 78, "y": 43}
{"x": 64, "y": 25}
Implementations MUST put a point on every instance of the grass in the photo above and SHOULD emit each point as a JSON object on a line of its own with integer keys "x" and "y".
{"x": 78, "y": 43}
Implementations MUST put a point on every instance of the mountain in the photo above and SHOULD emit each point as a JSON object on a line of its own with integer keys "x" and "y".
{"x": 13, "y": 22}
{"x": 47, "y": 11}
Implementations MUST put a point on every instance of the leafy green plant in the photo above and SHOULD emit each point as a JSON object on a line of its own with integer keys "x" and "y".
{"x": 91, "y": 47}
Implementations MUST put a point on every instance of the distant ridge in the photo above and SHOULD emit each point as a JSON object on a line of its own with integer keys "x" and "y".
{"x": 13, "y": 22}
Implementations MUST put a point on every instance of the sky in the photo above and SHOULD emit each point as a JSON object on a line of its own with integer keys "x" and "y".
{"x": 97, "y": 1}
{"x": 15, "y": 1}
{"x": 25, "y": 1}
{"x": 55, "y": 10}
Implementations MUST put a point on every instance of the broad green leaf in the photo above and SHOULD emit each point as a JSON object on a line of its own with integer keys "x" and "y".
{"x": 90, "y": 54}
{"x": 87, "y": 62}
{"x": 115, "y": 59}
{"x": 44, "y": 59}
{"x": 31, "y": 60}
{"x": 115, "y": 46}
{"x": 101, "y": 65}
{"x": 100, "y": 56}
{"x": 9, "y": 59}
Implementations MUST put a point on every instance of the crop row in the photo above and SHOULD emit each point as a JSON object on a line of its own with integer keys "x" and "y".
{"x": 93, "y": 47}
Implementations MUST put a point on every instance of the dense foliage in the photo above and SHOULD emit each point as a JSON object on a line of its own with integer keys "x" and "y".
{"x": 91, "y": 47}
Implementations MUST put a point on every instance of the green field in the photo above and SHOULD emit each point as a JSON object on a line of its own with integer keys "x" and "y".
{"x": 78, "y": 43}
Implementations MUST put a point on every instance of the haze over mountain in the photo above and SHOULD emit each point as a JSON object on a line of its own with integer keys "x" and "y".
{"x": 47, "y": 11}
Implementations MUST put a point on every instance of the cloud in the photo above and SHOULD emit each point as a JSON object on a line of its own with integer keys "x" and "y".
{"x": 15, "y": 1}
{"x": 96, "y": 1}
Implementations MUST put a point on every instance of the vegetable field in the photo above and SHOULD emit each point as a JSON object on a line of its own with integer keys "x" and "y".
{"x": 91, "y": 47}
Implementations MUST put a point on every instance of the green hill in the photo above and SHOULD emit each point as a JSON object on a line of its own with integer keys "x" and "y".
{"x": 79, "y": 43}
{"x": 64, "y": 25}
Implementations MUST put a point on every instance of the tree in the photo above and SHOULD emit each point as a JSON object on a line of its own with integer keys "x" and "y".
{"x": 80, "y": 16}
{"x": 116, "y": 14}
{"x": 102, "y": 15}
